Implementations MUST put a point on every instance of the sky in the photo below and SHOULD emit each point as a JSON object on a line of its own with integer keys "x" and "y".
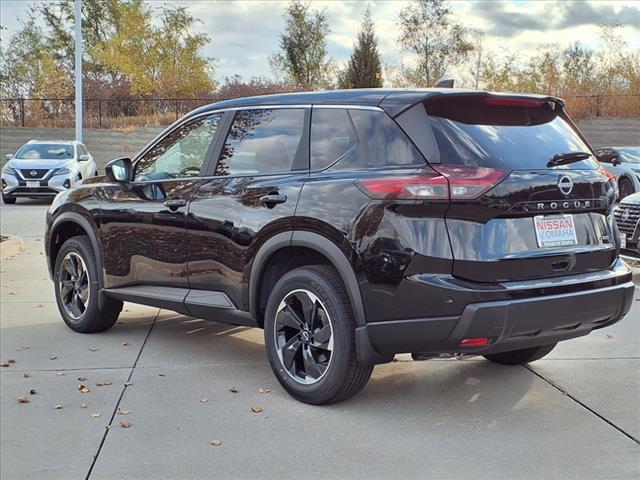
{"x": 245, "y": 33}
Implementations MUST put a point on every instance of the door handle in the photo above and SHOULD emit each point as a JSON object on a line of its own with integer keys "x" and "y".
{"x": 272, "y": 199}
{"x": 174, "y": 204}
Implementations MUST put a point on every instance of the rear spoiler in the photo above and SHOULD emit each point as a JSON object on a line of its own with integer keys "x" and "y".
{"x": 399, "y": 101}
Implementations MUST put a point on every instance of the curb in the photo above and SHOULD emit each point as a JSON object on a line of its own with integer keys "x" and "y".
{"x": 11, "y": 246}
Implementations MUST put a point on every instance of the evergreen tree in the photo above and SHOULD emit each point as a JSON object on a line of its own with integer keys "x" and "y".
{"x": 365, "y": 67}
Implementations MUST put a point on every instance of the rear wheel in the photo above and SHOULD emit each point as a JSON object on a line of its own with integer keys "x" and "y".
{"x": 626, "y": 187}
{"x": 76, "y": 289}
{"x": 8, "y": 200}
{"x": 516, "y": 357}
{"x": 309, "y": 334}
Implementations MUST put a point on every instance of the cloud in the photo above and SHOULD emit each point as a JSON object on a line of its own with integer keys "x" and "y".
{"x": 505, "y": 19}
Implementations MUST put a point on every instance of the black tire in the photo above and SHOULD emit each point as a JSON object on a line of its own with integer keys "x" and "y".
{"x": 91, "y": 319}
{"x": 342, "y": 377}
{"x": 9, "y": 200}
{"x": 516, "y": 357}
{"x": 626, "y": 187}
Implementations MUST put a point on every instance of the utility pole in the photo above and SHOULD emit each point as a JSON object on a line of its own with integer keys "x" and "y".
{"x": 78, "y": 15}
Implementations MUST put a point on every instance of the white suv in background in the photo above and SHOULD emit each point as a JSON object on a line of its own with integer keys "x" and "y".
{"x": 42, "y": 168}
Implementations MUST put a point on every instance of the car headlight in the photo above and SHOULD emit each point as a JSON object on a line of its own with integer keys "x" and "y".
{"x": 8, "y": 169}
{"x": 62, "y": 171}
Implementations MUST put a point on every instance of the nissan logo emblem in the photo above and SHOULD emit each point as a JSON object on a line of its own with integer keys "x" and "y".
{"x": 33, "y": 173}
{"x": 565, "y": 185}
{"x": 625, "y": 215}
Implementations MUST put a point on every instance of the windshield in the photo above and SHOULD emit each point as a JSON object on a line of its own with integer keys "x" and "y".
{"x": 630, "y": 154}
{"x": 508, "y": 137}
{"x": 45, "y": 151}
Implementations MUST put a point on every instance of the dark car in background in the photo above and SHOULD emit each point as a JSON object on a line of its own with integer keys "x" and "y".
{"x": 352, "y": 226}
{"x": 624, "y": 164}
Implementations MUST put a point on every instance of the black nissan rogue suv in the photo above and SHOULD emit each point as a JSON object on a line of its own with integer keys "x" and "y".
{"x": 351, "y": 226}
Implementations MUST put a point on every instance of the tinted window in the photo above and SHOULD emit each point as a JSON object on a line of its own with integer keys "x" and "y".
{"x": 382, "y": 144}
{"x": 181, "y": 153}
{"x": 263, "y": 141}
{"x": 332, "y": 135}
{"x": 46, "y": 151}
{"x": 469, "y": 132}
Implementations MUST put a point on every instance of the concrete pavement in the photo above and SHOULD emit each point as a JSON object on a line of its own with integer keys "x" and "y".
{"x": 575, "y": 414}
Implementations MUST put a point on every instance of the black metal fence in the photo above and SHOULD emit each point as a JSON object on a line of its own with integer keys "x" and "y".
{"x": 136, "y": 112}
{"x": 97, "y": 112}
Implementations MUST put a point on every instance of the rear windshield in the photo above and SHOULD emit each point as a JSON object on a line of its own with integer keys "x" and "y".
{"x": 471, "y": 132}
{"x": 45, "y": 151}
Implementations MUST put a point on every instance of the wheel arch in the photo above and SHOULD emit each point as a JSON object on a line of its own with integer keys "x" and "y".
{"x": 68, "y": 225}
{"x": 322, "y": 247}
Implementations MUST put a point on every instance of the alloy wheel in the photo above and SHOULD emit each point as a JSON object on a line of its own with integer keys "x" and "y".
{"x": 73, "y": 283}
{"x": 303, "y": 336}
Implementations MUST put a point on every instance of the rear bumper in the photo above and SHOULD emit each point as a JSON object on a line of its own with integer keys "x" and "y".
{"x": 509, "y": 324}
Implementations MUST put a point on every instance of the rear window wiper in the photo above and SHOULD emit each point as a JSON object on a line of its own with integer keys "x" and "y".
{"x": 565, "y": 158}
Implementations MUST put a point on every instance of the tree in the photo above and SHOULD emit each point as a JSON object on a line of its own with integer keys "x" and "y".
{"x": 303, "y": 59}
{"x": 364, "y": 69}
{"x": 428, "y": 33}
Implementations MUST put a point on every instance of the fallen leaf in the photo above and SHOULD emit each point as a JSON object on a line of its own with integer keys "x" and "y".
{"x": 57, "y": 407}
{"x": 4, "y": 364}
{"x": 83, "y": 388}
{"x": 122, "y": 411}
{"x": 233, "y": 390}
{"x": 82, "y": 379}
{"x": 60, "y": 374}
{"x": 216, "y": 443}
{"x": 124, "y": 344}
{"x": 128, "y": 384}
{"x": 102, "y": 384}
{"x": 11, "y": 360}
{"x": 125, "y": 423}
{"x": 26, "y": 374}
{"x": 93, "y": 349}
{"x": 83, "y": 405}
{"x": 264, "y": 390}
{"x": 53, "y": 357}
{"x": 474, "y": 397}
{"x": 161, "y": 375}
{"x": 256, "y": 408}
{"x": 23, "y": 399}
{"x": 610, "y": 337}
{"x": 95, "y": 415}
{"x": 473, "y": 381}
{"x": 33, "y": 391}
{"x": 40, "y": 305}
{"x": 204, "y": 400}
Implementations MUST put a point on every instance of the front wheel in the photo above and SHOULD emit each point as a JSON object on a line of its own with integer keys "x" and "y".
{"x": 626, "y": 187}
{"x": 516, "y": 357}
{"x": 76, "y": 289}
{"x": 309, "y": 333}
{"x": 8, "y": 200}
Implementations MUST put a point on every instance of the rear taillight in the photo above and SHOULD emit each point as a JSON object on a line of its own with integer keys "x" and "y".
{"x": 446, "y": 182}
{"x": 466, "y": 183}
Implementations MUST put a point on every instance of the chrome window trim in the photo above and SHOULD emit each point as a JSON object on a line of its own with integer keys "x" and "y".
{"x": 179, "y": 123}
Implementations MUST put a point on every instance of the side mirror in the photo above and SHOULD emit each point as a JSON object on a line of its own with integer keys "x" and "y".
{"x": 9, "y": 156}
{"x": 119, "y": 170}
{"x": 84, "y": 158}
{"x": 616, "y": 160}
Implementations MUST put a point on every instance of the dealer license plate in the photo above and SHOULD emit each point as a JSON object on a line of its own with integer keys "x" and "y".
{"x": 33, "y": 184}
{"x": 555, "y": 230}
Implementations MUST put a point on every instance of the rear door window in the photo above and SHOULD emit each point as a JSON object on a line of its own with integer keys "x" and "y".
{"x": 332, "y": 136}
{"x": 472, "y": 132}
{"x": 263, "y": 141}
